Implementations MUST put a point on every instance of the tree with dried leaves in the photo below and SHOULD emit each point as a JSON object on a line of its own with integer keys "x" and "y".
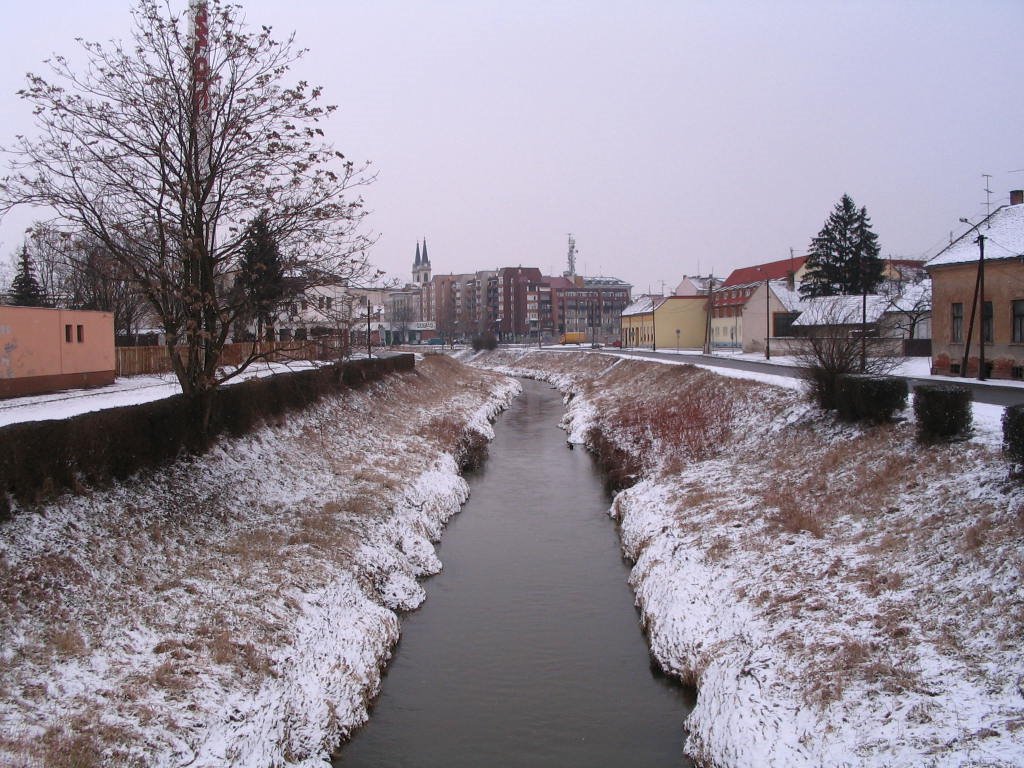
{"x": 165, "y": 149}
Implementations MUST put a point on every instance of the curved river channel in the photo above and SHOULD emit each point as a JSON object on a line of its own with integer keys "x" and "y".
{"x": 528, "y": 650}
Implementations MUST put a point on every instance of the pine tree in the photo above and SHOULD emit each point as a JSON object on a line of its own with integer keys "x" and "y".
{"x": 262, "y": 272}
{"x": 843, "y": 258}
{"x": 25, "y": 290}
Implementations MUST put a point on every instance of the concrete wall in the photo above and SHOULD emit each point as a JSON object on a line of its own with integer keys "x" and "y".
{"x": 45, "y": 350}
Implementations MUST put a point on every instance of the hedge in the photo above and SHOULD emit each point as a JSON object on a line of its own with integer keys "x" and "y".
{"x": 40, "y": 458}
{"x": 943, "y": 411}
{"x": 1013, "y": 434}
{"x": 869, "y": 398}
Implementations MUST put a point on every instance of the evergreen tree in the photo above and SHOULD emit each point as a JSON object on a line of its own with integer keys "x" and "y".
{"x": 843, "y": 258}
{"x": 25, "y": 290}
{"x": 262, "y": 273}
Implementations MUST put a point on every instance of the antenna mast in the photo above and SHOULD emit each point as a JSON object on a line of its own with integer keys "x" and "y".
{"x": 988, "y": 193}
{"x": 571, "y": 272}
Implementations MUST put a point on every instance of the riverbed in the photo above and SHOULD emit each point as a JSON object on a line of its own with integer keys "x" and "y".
{"x": 528, "y": 650}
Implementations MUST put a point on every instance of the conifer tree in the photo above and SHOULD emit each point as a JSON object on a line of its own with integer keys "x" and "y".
{"x": 262, "y": 272}
{"x": 843, "y": 258}
{"x": 25, "y": 290}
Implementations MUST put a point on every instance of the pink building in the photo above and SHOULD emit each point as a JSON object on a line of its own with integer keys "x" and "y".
{"x": 46, "y": 350}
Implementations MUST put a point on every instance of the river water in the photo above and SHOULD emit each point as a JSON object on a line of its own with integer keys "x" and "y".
{"x": 528, "y": 650}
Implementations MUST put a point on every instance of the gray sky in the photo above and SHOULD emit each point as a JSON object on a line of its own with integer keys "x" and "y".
{"x": 667, "y": 136}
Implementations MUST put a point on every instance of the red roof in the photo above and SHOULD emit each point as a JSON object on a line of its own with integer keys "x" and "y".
{"x": 773, "y": 270}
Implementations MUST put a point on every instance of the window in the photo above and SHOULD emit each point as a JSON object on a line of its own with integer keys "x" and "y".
{"x": 956, "y": 328}
{"x": 67, "y": 333}
{"x": 1018, "y": 320}
{"x": 986, "y": 322}
{"x": 80, "y": 330}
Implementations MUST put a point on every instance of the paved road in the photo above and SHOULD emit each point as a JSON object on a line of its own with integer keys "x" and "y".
{"x": 984, "y": 392}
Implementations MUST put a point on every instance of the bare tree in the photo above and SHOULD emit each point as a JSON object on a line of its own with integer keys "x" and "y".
{"x": 834, "y": 340}
{"x": 164, "y": 150}
{"x": 909, "y": 303}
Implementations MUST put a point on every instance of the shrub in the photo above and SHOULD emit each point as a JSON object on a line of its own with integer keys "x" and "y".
{"x": 1013, "y": 433}
{"x": 486, "y": 341}
{"x": 821, "y": 384}
{"x": 869, "y": 398}
{"x": 943, "y": 411}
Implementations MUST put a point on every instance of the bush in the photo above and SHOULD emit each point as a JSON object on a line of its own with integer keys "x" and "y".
{"x": 1013, "y": 434}
{"x": 822, "y": 386}
{"x": 486, "y": 341}
{"x": 943, "y": 411}
{"x": 869, "y": 398}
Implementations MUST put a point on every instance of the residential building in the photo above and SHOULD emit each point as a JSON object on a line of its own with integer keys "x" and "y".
{"x": 962, "y": 327}
{"x": 593, "y": 305}
{"x": 508, "y": 299}
{"x": 696, "y": 285}
{"x": 665, "y": 322}
{"x": 47, "y": 350}
{"x": 744, "y": 297}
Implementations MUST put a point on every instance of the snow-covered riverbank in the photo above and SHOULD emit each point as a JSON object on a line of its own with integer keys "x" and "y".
{"x": 234, "y": 609}
{"x": 840, "y": 595}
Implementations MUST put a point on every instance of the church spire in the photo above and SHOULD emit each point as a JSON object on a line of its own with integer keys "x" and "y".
{"x": 426, "y": 260}
{"x": 417, "y": 262}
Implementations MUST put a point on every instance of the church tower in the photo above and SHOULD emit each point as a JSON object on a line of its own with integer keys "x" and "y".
{"x": 421, "y": 266}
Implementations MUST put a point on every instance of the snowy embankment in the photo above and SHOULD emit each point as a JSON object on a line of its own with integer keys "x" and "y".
{"x": 840, "y": 595}
{"x": 234, "y": 609}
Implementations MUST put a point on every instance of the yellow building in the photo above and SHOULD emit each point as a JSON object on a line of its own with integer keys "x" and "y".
{"x": 665, "y": 322}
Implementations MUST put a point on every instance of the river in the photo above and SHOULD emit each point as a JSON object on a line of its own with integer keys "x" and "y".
{"x": 528, "y": 650}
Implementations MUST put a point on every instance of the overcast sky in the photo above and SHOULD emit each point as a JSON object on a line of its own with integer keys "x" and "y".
{"x": 668, "y": 137}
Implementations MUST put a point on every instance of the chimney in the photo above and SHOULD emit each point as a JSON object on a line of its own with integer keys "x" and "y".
{"x": 1016, "y": 196}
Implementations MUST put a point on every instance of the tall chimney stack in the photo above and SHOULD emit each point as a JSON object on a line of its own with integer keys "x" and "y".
{"x": 1016, "y": 196}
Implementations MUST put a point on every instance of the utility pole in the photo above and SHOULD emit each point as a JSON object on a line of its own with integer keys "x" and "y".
{"x": 863, "y": 317}
{"x": 981, "y": 299}
{"x": 654, "y": 327}
{"x": 979, "y": 288}
{"x": 707, "y": 319}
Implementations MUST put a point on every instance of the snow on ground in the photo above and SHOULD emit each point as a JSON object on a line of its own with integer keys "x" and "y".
{"x": 841, "y": 595}
{"x": 234, "y": 609}
{"x": 126, "y": 390}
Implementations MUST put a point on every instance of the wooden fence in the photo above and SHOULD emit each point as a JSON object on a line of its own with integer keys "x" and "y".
{"x": 137, "y": 361}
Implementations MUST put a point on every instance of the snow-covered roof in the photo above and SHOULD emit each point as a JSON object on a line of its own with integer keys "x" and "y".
{"x": 840, "y": 310}
{"x": 788, "y": 297}
{"x": 641, "y": 305}
{"x": 913, "y": 295}
{"x": 1004, "y": 239}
